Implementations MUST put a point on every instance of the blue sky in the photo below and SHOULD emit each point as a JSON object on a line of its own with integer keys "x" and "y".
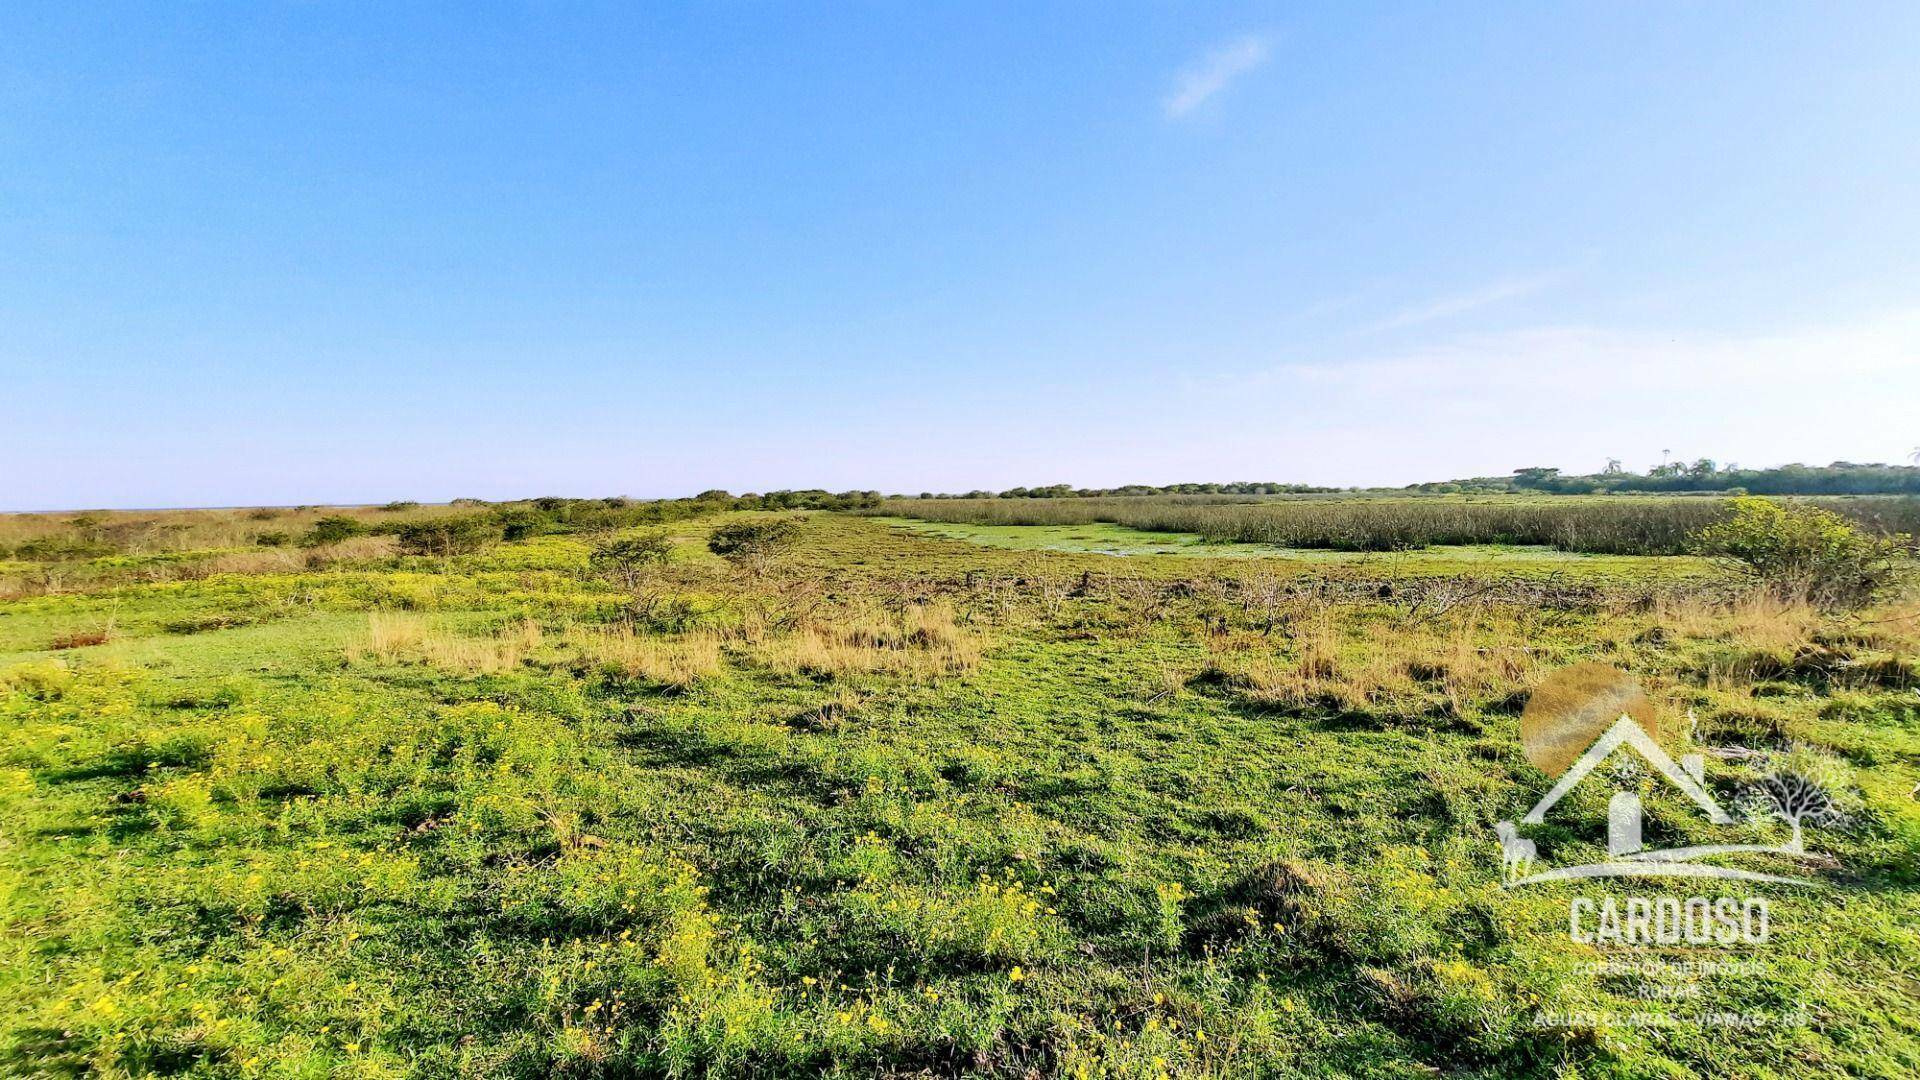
{"x": 324, "y": 252}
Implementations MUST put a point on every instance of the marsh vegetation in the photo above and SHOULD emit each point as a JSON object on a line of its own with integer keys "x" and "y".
{"x": 1617, "y": 525}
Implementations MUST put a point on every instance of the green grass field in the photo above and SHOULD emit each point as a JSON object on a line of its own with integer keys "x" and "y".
{"x": 920, "y": 799}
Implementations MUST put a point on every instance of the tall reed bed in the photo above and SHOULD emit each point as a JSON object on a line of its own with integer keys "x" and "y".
{"x": 1613, "y": 525}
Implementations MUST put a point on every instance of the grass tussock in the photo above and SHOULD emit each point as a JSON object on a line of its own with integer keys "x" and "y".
{"x": 1894, "y": 627}
{"x": 261, "y": 561}
{"x": 405, "y": 637}
{"x": 1324, "y": 661}
{"x": 358, "y": 549}
{"x": 679, "y": 661}
{"x": 1759, "y": 620}
{"x": 80, "y": 639}
{"x": 920, "y": 640}
{"x": 1735, "y": 647}
{"x": 98, "y": 631}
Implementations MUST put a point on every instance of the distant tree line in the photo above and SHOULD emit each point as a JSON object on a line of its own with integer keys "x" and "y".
{"x": 1702, "y": 475}
{"x": 1706, "y": 475}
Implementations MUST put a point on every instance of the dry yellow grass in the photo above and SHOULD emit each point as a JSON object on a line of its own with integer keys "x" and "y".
{"x": 149, "y": 531}
{"x": 1322, "y": 663}
{"x": 1468, "y": 670}
{"x": 673, "y": 661}
{"x": 405, "y": 637}
{"x": 922, "y": 640}
{"x": 1757, "y": 621}
{"x": 393, "y": 636}
{"x": 1760, "y": 632}
{"x": 1273, "y": 680}
{"x": 397, "y": 637}
{"x": 357, "y": 549}
{"x": 261, "y": 561}
{"x": 1894, "y": 627}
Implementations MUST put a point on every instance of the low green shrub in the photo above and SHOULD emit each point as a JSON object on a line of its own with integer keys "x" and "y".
{"x": 1801, "y": 551}
{"x": 521, "y": 523}
{"x": 61, "y": 549}
{"x": 331, "y": 530}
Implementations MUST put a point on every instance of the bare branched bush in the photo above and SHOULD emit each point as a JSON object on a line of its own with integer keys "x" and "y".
{"x": 753, "y": 545}
{"x": 1052, "y": 596}
{"x": 630, "y": 559}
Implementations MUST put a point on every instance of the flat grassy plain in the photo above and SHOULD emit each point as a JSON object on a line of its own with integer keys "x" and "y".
{"x": 903, "y": 804}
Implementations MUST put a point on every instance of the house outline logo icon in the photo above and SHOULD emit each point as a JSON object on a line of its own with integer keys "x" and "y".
{"x": 1626, "y": 732}
{"x": 1626, "y": 855}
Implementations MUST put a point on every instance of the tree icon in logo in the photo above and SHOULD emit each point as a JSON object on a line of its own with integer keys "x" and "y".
{"x": 1799, "y": 789}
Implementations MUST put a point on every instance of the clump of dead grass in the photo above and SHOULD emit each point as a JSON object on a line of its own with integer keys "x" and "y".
{"x": 393, "y": 636}
{"x": 679, "y": 662}
{"x": 919, "y": 640}
{"x": 80, "y": 639}
{"x": 260, "y": 561}
{"x": 1892, "y": 627}
{"x": 1761, "y": 637}
{"x": 1758, "y": 620}
{"x": 1314, "y": 668}
{"x": 353, "y": 550}
{"x": 402, "y": 637}
{"x": 1469, "y": 661}
{"x": 1407, "y": 662}
{"x": 96, "y": 632}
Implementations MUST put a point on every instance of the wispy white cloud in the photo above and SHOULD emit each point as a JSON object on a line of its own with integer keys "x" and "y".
{"x": 1447, "y": 307}
{"x": 1213, "y": 73}
{"x": 1575, "y": 395}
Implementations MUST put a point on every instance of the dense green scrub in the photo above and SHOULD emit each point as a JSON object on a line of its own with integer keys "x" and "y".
{"x": 1156, "y": 816}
